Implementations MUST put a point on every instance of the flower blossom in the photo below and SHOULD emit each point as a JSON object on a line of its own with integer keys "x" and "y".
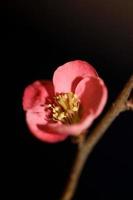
{"x": 66, "y": 106}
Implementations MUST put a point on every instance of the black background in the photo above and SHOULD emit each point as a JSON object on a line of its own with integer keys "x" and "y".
{"x": 40, "y": 36}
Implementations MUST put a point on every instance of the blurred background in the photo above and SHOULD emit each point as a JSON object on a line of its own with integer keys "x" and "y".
{"x": 40, "y": 36}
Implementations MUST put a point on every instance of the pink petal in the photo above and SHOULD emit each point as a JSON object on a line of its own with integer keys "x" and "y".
{"x": 75, "y": 129}
{"x": 37, "y": 93}
{"x": 33, "y": 117}
{"x": 92, "y": 93}
{"x": 67, "y": 76}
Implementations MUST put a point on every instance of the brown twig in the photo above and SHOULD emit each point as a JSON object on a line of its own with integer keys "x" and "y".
{"x": 122, "y": 103}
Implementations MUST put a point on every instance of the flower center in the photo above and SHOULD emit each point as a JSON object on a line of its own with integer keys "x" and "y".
{"x": 65, "y": 108}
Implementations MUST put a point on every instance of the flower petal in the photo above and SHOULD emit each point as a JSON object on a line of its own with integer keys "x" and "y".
{"x": 74, "y": 129}
{"x": 37, "y": 93}
{"x": 33, "y": 117}
{"x": 67, "y": 76}
{"x": 92, "y": 93}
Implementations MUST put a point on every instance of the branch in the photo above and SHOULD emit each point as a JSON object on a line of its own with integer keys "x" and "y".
{"x": 123, "y": 102}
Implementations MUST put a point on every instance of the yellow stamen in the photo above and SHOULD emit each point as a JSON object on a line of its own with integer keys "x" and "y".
{"x": 65, "y": 108}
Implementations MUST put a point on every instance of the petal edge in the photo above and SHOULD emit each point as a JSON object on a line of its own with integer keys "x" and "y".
{"x": 67, "y": 76}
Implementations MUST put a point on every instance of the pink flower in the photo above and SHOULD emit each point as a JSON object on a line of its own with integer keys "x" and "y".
{"x": 68, "y": 105}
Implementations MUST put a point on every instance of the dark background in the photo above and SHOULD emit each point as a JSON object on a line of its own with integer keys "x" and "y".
{"x": 40, "y": 36}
